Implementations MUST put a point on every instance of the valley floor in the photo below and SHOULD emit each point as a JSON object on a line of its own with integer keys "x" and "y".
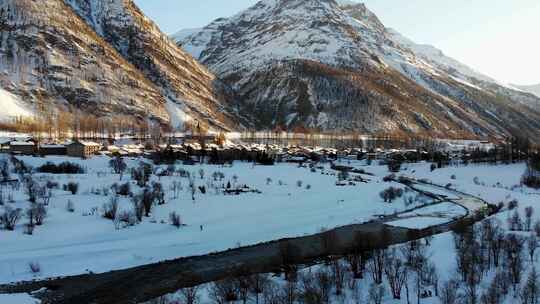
{"x": 293, "y": 201}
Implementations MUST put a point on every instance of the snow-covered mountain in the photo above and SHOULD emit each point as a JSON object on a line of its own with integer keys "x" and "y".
{"x": 533, "y": 89}
{"x": 324, "y": 64}
{"x": 105, "y": 58}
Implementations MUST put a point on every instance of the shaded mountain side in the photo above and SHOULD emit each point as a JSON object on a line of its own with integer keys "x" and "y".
{"x": 185, "y": 82}
{"x": 52, "y": 59}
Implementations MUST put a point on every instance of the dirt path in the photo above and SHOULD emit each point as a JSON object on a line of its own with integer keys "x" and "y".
{"x": 147, "y": 282}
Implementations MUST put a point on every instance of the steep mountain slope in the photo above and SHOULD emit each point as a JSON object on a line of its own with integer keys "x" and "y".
{"x": 533, "y": 89}
{"x": 50, "y": 58}
{"x": 461, "y": 72}
{"x": 188, "y": 86}
{"x": 327, "y": 65}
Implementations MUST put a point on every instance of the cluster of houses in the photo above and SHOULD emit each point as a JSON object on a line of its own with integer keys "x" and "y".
{"x": 78, "y": 148}
{"x": 225, "y": 152}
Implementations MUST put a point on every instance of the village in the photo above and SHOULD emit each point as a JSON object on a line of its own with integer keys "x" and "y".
{"x": 192, "y": 149}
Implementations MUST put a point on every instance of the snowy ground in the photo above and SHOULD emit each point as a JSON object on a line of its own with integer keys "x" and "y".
{"x": 12, "y": 107}
{"x": 18, "y": 299}
{"x": 71, "y": 243}
{"x": 494, "y": 184}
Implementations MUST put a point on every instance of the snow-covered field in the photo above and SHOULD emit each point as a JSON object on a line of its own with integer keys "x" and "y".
{"x": 18, "y": 299}
{"x": 500, "y": 183}
{"x": 294, "y": 201}
{"x": 84, "y": 241}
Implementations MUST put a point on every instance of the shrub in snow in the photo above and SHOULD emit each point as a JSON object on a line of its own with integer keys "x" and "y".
{"x": 70, "y": 206}
{"x": 111, "y": 208}
{"x": 529, "y": 211}
{"x": 408, "y": 201}
{"x": 118, "y": 165}
{"x": 31, "y": 188}
{"x": 389, "y": 178}
{"x": 10, "y": 218}
{"x": 433, "y": 167}
{"x": 224, "y": 291}
{"x": 299, "y": 184}
{"x": 201, "y": 173}
{"x": 44, "y": 194}
{"x": 36, "y": 214}
{"x": 29, "y": 229}
{"x": 453, "y": 176}
{"x": 127, "y": 217}
{"x": 390, "y": 194}
{"x": 202, "y": 189}
{"x": 343, "y": 175}
{"x": 514, "y": 222}
{"x": 145, "y": 200}
{"x": 394, "y": 166}
{"x": 62, "y": 168}
{"x": 71, "y": 187}
{"x": 308, "y": 187}
{"x": 158, "y": 193}
{"x": 138, "y": 207}
{"x": 513, "y": 204}
{"x": 34, "y": 267}
{"x": 123, "y": 189}
{"x": 52, "y": 185}
{"x": 4, "y": 169}
{"x": 190, "y": 295}
{"x": 218, "y": 176}
{"x": 175, "y": 219}
{"x": 268, "y": 180}
{"x": 142, "y": 174}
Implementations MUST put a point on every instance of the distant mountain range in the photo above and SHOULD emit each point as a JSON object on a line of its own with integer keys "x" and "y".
{"x": 534, "y": 89}
{"x": 322, "y": 65}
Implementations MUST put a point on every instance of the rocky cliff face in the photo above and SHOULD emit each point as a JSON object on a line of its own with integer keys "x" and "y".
{"x": 326, "y": 64}
{"x": 187, "y": 85}
{"x": 106, "y": 58}
{"x": 51, "y": 59}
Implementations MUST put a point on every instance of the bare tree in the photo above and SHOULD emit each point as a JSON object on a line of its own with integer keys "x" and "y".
{"x": 529, "y": 211}
{"x": 531, "y": 289}
{"x": 514, "y": 222}
{"x": 514, "y": 258}
{"x": 338, "y": 274}
{"x": 449, "y": 292}
{"x": 176, "y": 187}
{"x": 493, "y": 294}
{"x": 396, "y": 272}
{"x": 10, "y": 217}
{"x": 258, "y": 284}
{"x": 190, "y": 295}
{"x": 376, "y": 265}
{"x": 376, "y": 294}
{"x": 224, "y": 291}
{"x": 118, "y": 165}
{"x": 532, "y": 245}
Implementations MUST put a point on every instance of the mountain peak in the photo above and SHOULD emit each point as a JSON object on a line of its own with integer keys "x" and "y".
{"x": 332, "y": 64}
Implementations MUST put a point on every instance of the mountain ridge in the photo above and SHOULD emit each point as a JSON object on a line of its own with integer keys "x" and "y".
{"x": 264, "y": 51}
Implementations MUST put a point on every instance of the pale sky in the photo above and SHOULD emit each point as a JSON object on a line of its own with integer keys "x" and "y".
{"x": 500, "y": 38}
